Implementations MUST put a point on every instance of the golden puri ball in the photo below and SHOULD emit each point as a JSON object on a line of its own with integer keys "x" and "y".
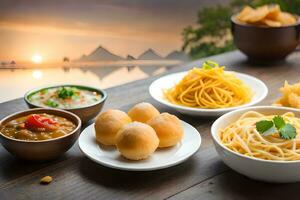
{"x": 168, "y": 129}
{"x": 107, "y": 125}
{"x": 143, "y": 112}
{"x": 136, "y": 141}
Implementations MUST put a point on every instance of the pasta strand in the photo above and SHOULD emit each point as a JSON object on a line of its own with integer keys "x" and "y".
{"x": 242, "y": 137}
{"x": 209, "y": 88}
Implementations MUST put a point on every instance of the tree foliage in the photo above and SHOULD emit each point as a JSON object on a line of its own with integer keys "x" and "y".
{"x": 212, "y": 33}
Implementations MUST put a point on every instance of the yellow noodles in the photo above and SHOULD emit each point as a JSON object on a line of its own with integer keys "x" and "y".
{"x": 242, "y": 137}
{"x": 209, "y": 88}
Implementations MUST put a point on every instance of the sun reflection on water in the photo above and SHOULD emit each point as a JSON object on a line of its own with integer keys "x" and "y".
{"x": 37, "y": 74}
{"x": 16, "y": 82}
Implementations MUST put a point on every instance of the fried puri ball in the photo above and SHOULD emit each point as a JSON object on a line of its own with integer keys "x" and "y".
{"x": 142, "y": 112}
{"x": 108, "y": 124}
{"x": 168, "y": 129}
{"x": 136, "y": 141}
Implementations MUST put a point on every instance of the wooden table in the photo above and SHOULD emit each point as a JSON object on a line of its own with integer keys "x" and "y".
{"x": 204, "y": 176}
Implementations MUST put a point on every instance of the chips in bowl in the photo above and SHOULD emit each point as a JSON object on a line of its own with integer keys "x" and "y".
{"x": 268, "y": 15}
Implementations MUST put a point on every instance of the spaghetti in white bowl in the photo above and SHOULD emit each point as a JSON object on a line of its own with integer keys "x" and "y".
{"x": 273, "y": 155}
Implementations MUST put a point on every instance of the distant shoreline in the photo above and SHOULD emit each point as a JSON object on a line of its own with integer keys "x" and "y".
{"x": 80, "y": 64}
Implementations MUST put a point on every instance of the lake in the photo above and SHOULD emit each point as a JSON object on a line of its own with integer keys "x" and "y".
{"x": 16, "y": 81}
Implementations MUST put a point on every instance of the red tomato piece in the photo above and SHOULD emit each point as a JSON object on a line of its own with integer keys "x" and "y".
{"x": 36, "y": 121}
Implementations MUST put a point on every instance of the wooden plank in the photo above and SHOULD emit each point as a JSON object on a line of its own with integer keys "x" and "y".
{"x": 81, "y": 178}
{"x": 231, "y": 185}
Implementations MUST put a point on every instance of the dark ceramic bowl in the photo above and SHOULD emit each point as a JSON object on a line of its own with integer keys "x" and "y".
{"x": 264, "y": 43}
{"x": 45, "y": 149}
{"x": 85, "y": 113}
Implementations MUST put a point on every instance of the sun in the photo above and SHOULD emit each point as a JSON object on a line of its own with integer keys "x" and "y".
{"x": 37, "y": 58}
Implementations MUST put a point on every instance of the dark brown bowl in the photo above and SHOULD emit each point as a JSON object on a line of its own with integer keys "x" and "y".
{"x": 85, "y": 113}
{"x": 264, "y": 43}
{"x": 45, "y": 149}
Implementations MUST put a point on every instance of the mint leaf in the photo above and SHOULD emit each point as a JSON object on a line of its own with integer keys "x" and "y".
{"x": 287, "y": 132}
{"x": 278, "y": 122}
{"x": 263, "y": 126}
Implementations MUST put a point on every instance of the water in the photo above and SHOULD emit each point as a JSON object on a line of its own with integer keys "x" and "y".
{"x": 17, "y": 81}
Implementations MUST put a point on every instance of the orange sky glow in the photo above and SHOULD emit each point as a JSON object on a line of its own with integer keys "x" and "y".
{"x": 54, "y": 29}
{"x": 47, "y": 40}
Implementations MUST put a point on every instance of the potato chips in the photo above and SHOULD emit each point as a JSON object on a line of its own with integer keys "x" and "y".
{"x": 290, "y": 96}
{"x": 269, "y": 15}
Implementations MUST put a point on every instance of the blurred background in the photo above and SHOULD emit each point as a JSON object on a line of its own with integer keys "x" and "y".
{"x": 95, "y": 43}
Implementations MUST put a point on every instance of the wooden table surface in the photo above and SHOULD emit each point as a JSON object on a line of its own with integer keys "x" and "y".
{"x": 203, "y": 176}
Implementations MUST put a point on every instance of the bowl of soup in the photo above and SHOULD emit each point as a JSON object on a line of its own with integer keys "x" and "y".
{"x": 39, "y": 134}
{"x": 85, "y": 102}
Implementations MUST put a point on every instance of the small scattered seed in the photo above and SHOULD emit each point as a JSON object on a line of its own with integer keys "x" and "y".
{"x": 46, "y": 180}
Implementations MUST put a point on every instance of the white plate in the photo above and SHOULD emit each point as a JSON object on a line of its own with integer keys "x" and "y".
{"x": 161, "y": 158}
{"x": 156, "y": 91}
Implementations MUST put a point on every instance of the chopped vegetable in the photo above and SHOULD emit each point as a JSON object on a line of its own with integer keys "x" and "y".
{"x": 208, "y": 64}
{"x": 44, "y": 91}
{"x": 65, "y": 93}
{"x": 51, "y": 103}
{"x": 36, "y": 121}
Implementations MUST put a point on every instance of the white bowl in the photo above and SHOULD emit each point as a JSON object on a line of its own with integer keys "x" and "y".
{"x": 156, "y": 91}
{"x": 255, "y": 168}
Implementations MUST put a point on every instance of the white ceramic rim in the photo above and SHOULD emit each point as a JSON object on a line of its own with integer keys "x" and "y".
{"x": 170, "y": 164}
{"x": 214, "y": 133}
{"x": 179, "y": 107}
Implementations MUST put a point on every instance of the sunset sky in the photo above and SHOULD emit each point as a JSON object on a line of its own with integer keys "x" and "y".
{"x": 57, "y": 28}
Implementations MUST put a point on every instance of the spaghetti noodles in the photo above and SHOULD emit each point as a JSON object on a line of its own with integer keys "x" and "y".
{"x": 209, "y": 87}
{"x": 242, "y": 137}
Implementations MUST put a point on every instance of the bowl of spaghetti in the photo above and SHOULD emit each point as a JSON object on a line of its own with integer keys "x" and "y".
{"x": 261, "y": 142}
{"x": 209, "y": 90}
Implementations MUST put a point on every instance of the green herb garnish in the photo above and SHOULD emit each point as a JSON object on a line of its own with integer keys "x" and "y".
{"x": 65, "y": 93}
{"x": 75, "y": 96}
{"x": 52, "y": 104}
{"x": 278, "y": 122}
{"x": 44, "y": 91}
{"x": 263, "y": 126}
{"x": 208, "y": 64}
{"x": 285, "y": 130}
